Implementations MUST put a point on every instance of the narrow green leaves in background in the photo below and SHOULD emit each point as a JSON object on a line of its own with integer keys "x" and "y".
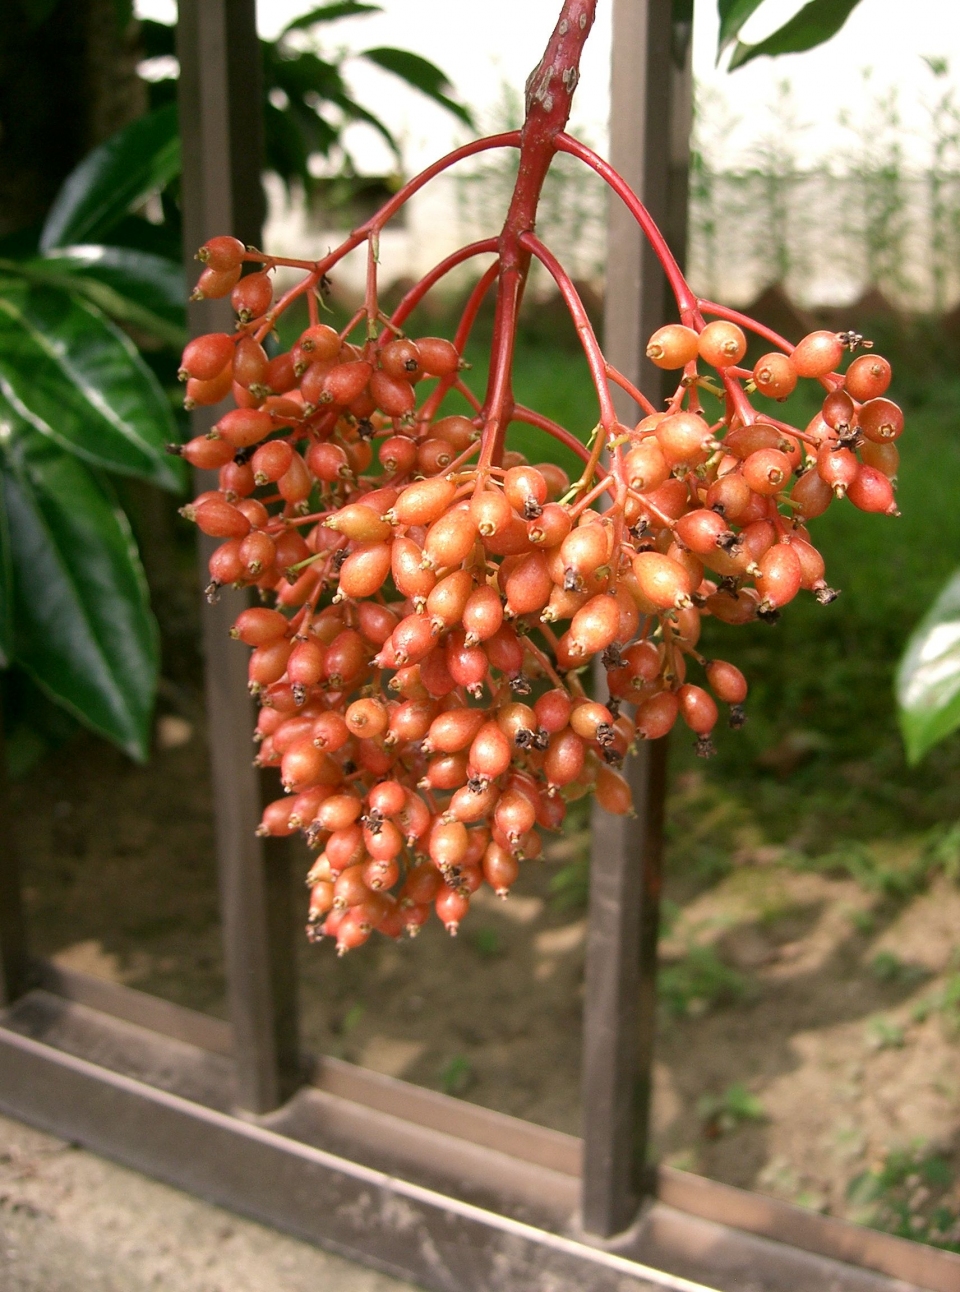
{"x": 928, "y": 679}
{"x": 78, "y": 380}
{"x": 733, "y": 14}
{"x": 132, "y": 164}
{"x": 330, "y": 13}
{"x": 6, "y": 591}
{"x": 815, "y": 24}
{"x": 83, "y": 627}
{"x": 421, "y": 74}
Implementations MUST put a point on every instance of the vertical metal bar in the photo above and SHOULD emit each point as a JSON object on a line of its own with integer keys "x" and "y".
{"x": 13, "y": 937}
{"x": 222, "y": 139}
{"x": 625, "y": 872}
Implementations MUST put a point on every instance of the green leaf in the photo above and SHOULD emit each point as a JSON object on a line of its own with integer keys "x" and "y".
{"x": 928, "y": 678}
{"x": 122, "y": 172}
{"x": 330, "y": 13}
{"x": 816, "y": 23}
{"x": 6, "y": 594}
{"x": 83, "y": 627}
{"x": 422, "y": 75}
{"x": 129, "y": 286}
{"x": 38, "y": 11}
{"x": 159, "y": 39}
{"x": 733, "y": 14}
{"x": 78, "y": 380}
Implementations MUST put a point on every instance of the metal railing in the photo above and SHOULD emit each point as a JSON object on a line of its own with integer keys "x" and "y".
{"x": 453, "y": 1196}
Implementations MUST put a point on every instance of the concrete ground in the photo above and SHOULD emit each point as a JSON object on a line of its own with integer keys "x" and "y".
{"x": 73, "y": 1222}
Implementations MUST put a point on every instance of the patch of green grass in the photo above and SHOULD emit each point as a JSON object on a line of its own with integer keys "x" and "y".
{"x": 883, "y": 1034}
{"x": 570, "y": 886}
{"x": 698, "y": 982}
{"x": 457, "y": 1076}
{"x": 487, "y": 943}
{"x": 910, "y": 1194}
{"x": 724, "y": 1113}
{"x": 945, "y": 1003}
{"x": 351, "y": 1019}
{"x": 890, "y": 969}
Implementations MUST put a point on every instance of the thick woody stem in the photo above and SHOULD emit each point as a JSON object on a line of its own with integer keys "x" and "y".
{"x": 549, "y": 93}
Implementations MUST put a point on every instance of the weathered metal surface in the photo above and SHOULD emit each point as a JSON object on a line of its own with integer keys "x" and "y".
{"x": 797, "y": 1229}
{"x": 728, "y": 1238}
{"x": 396, "y": 1226}
{"x": 620, "y": 1005}
{"x": 152, "y": 1012}
{"x": 222, "y": 138}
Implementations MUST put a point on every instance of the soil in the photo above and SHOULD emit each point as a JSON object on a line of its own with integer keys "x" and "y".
{"x": 808, "y": 1045}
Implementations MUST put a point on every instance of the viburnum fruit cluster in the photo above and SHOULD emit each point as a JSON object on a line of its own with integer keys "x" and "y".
{"x": 431, "y": 600}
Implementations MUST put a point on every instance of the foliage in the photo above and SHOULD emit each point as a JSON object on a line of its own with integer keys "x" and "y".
{"x": 724, "y": 1113}
{"x": 307, "y": 103}
{"x": 910, "y": 1193}
{"x": 78, "y": 403}
{"x": 928, "y": 679}
{"x": 698, "y": 982}
{"x": 813, "y": 25}
{"x": 945, "y": 1003}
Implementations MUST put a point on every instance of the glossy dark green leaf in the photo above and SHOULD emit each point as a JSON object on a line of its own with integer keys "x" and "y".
{"x": 928, "y": 679}
{"x": 330, "y": 13}
{"x": 6, "y": 589}
{"x": 132, "y": 287}
{"x": 304, "y": 74}
{"x": 78, "y": 380}
{"x": 121, "y": 173}
{"x": 285, "y": 148}
{"x": 422, "y": 75}
{"x": 159, "y": 39}
{"x": 38, "y": 10}
{"x": 83, "y": 627}
{"x": 816, "y": 23}
{"x": 137, "y": 234}
{"x": 733, "y": 14}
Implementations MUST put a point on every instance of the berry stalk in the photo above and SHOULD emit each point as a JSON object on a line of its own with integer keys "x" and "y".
{"x": 427, "y": 619}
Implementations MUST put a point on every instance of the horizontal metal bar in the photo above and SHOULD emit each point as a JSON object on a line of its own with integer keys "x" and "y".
{"x": 538, "y": 1145}
{"x": 487, "y": 1177}
{"x": 526, "y": 1143}
{"x": 399, "y": 1227}
{"x": 138, "y": 1007}
{"x": 916, "y": 1263}
{"x": 738, "y": 1262}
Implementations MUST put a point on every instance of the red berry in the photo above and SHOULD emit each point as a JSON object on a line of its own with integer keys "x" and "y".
{"x": 205, "y": 357}
{"x": 868, "y": 376}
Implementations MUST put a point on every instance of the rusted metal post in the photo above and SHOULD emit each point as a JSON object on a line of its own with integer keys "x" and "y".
{"x": 222, "y": 137}
{"x": 649, "y": 95}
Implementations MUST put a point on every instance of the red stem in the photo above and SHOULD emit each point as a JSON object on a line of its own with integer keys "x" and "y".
{"x": 549, "y": 94}
{"x": 523, "y": 414}
{"x": 416, "y": 293}
{"x": 685, "y": 298}
{"x": 636, "y": 395}
{"x": 744, "y": 321}
{"x": 591, "y": 346}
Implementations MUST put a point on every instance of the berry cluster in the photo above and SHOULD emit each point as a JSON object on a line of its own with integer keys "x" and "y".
{"x": 432, "y": 601}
